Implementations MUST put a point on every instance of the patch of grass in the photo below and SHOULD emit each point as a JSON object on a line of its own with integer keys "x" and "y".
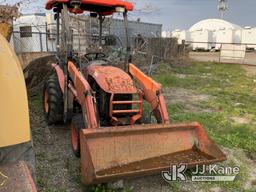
{"x": 175, "y": 186}
{"x": 177, "y": 108}
{"x": 102, "y": 188}
{"x": 220, "y": 128}
{"x": 41, "y": 156}
{"x": 36, "y": 100}
{"x": 40, "y": 183}
{"x": 233, "y": 95}
{"x": 128, "y": 189}
{"x": 55, "y": 190}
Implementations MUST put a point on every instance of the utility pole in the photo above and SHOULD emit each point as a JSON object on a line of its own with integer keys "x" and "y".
{"x": 222, "y": 8}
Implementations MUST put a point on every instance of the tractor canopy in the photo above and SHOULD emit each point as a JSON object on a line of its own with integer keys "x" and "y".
{"x": 101, "y": 7}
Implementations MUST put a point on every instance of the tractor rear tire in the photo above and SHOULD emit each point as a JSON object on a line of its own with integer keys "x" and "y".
{"x": 77, "y": 124}
{"x": 53, "y": 101}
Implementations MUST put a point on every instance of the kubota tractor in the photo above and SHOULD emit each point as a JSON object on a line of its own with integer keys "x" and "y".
{"x": 104, "y": 106}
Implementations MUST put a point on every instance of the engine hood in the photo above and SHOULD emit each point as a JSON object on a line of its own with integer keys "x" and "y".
{"x": 112, "y": 79}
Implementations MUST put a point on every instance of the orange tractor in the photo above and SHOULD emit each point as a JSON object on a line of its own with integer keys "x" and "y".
{"x": 104, "y": 106}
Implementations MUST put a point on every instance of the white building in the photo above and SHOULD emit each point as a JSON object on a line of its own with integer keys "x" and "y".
{"x": 181, "y": 35}
{"x": 202, "y": 37}
{"x": 30, "y": 34}
{"x": 224, "y": 36}
{"x": 249, "y": 37}
{"x": 210, "y": 33}
{"x": 213, "y": 24}
{"x": 166, "y": 34}
{"x": 37, "y": 32}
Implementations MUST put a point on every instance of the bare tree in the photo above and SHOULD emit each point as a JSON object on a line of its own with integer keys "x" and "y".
{"x": 145, "y": 9}
{"x": 25, "y": 5}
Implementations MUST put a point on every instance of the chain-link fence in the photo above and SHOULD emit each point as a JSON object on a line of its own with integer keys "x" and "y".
{"x": 222, "y": 52}
{"x": 26, "y": 42}
{"x": 148, "y": 48}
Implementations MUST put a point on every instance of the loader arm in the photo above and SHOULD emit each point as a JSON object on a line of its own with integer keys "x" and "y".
{"x": 83, "y": 93}
{"x": 152, "y": 93}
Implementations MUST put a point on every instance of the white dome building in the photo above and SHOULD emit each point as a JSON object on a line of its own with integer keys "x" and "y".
{"x": 209, "y": 33}
{"x": 214, "y": 25}
{"x": 214, "y": 30}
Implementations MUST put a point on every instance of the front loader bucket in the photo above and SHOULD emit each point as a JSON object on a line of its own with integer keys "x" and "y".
{"x": 109, "y": 154}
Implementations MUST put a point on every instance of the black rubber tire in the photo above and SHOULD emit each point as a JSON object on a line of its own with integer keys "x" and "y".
{"x": 54, "y": 115}
{"x": 102, "y": 99}
{"x": 78, "y": 123}
{"x": 147, "y": 118}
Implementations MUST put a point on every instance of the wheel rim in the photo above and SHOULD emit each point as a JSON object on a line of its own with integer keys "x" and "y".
{"x": 46, "y": 104}
{"x": 74, "y": 137}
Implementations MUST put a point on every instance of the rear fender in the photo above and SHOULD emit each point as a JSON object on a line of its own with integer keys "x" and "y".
{"x": 60, "y": 75}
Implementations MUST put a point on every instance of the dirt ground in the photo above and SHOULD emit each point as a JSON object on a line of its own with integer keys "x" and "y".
{"x": 251, "y": 70}
{"x": 57, "y": 168}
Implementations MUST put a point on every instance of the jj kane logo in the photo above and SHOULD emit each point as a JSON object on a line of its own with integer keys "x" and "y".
{"x": 201, "y": 173}
{"x": 176, "y": 173}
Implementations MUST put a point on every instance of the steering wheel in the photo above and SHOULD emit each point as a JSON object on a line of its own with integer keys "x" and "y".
{"x": 94, "y": 56}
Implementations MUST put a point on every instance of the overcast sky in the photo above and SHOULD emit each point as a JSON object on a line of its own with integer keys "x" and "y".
{"x": 175, "y": 14}
{"x": 182, "y": 14}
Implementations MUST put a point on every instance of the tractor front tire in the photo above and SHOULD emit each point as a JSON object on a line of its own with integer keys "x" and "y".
{"x": 53, "y": 101}
{"x": 77, "y": 124}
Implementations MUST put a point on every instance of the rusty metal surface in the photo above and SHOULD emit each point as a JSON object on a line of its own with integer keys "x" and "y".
{"x": 112, "y": 79}
{"x": 16, "y": 178}
{"x": 186, "y": 157}
{"x": 120, "y": 152}
{"x": 132, "y": 114}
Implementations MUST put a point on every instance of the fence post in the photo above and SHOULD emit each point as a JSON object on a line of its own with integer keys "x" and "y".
{"x": 41, "y": 43}
{"x": 184, "y": 47}
{"x": 79, "y": 43}
{"x": 220, "y": 53}
{"x": 243, "y": 61}
{"x": 46, "y": 37}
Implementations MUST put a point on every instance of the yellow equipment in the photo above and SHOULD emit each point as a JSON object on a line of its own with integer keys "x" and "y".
{"x": 15, "y": 144}
{"x": 14, "y": 116}
{"x": 17, "y": 158}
